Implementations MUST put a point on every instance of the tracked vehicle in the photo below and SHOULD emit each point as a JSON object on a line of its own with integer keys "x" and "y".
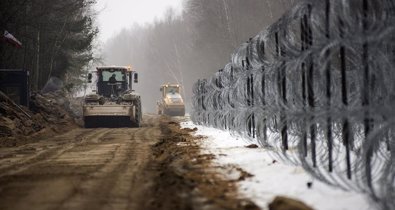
{"x": 171, "y": 102}
{"x": 114, "y": 103}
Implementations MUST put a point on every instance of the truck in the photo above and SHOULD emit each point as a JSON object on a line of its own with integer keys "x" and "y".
{"x": 15, "y": 84}
{"x": 171, "y": 102}
{"x": 113, "y": 103}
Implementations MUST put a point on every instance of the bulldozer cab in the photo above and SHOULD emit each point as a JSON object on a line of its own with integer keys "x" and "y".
{"x": 170, "y": 89}
{"x": 112, "y": 81}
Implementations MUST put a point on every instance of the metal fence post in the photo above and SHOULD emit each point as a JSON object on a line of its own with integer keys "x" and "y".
{"x": 366, "y": 93}
{"x": 328, "y": 88}
{"x": 310, "y": 84}
{"x": 282, "y": 85}
{"x": 346, "y": 132}
{"x": 304, "y": 91}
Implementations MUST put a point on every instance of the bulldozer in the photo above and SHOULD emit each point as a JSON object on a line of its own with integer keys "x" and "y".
{"x": 171, "y": 102}
{"x": 113, "y": 103}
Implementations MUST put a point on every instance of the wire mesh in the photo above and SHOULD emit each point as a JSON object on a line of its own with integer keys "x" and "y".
{"x": 318, "y": 82}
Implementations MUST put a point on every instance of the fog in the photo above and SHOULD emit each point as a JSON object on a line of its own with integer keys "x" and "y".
{"x": 196, "y": 44}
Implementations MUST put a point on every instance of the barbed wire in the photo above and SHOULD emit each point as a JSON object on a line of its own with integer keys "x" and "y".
{"x": 320, "y": 81}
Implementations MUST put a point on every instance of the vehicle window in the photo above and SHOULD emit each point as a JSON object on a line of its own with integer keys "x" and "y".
{"x": 119, "y": 75}
{"x": 172, "y": 90}
{"x": 173, "y": 96}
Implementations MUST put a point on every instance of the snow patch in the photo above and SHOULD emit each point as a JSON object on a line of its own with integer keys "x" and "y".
{"x": 272, "y": 177}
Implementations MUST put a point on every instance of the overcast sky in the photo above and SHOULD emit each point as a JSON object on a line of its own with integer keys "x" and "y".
{"x": 114, "y": 15}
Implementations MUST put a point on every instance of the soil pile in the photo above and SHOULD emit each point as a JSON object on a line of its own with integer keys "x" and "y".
{"x": 187, "y": 178}
{"x": 285, "y": 203}
{"x": 49, "y": 113}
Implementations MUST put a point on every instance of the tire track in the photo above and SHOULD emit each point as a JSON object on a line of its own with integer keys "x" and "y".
{"x": 63, "y": 145}
{"x": 116, "y": 184}
{"x": 128, "y": 168}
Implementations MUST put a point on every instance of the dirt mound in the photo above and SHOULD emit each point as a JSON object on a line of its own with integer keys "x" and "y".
{"x": 48, "y": 113}
{"x": 285, "y": 203}
{"x": 187, "y": 178}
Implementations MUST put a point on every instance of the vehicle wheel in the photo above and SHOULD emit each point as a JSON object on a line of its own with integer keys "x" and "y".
{"x": 138, "y": 115}
{"x": 182, "y": 113}
{"x": 88, "y": 122}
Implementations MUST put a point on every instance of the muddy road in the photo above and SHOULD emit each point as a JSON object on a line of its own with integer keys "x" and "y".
{"x": 157, "y": 166}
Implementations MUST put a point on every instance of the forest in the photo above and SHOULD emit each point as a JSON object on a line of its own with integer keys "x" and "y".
{"x": 194, "y": 44}
{"x": 57, "y": 38}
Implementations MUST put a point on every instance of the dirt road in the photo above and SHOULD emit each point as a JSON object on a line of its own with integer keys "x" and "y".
{"x": 157, "y": 166}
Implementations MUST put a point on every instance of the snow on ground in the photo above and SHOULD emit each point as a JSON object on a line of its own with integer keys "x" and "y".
{"x": 272, "y": 179}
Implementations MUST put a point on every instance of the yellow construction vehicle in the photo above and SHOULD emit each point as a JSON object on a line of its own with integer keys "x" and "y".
{"x": 171, "y": 102}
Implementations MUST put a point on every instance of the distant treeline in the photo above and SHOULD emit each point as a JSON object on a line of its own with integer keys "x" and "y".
{"x": 56, "y": 36}
{"x": 193, "y": 44}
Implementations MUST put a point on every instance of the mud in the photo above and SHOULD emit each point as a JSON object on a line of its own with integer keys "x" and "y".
{"x": 49, "y": 114}
{"x": 157, "y": 166}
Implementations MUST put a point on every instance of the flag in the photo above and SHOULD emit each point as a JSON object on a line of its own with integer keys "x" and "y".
{"x": 12, "y": 40}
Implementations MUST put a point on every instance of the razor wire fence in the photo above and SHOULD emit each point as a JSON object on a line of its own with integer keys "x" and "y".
{"x": 320, "y": 82}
